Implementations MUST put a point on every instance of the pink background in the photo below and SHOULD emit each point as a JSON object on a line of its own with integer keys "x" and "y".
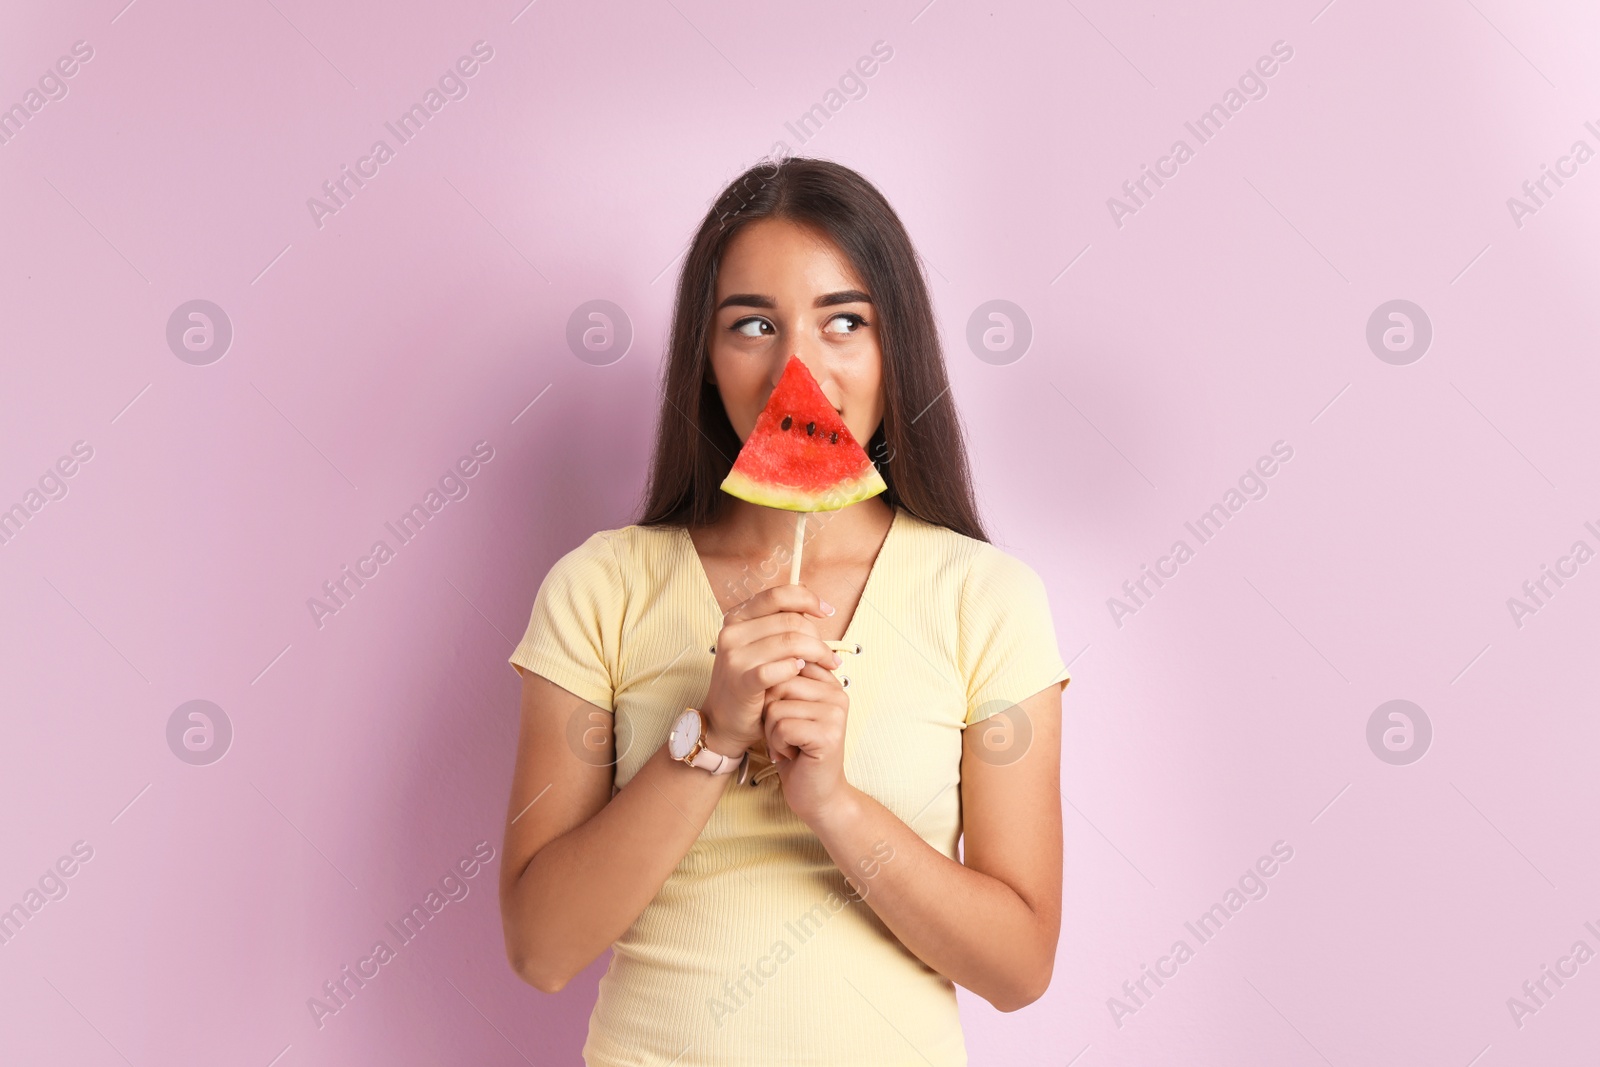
{"x": 371, "y": 754}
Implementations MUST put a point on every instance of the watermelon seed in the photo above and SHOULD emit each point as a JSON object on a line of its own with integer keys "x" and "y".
{"x": 833, "y": 438}
{"x": 811, "y": 428}
{"x": 787, "y": 421}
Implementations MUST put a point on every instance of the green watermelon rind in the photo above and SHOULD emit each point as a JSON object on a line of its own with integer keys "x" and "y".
{"x": 864, "y": 486}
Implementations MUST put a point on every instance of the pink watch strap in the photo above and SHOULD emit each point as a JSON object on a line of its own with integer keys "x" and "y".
{"x": 715, "y": 762}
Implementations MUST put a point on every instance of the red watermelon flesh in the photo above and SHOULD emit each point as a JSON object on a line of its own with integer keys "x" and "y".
{"x": 801, "y": 456}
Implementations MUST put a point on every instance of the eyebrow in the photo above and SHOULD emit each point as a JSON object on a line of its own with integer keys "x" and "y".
{"x": 757, "y": 300}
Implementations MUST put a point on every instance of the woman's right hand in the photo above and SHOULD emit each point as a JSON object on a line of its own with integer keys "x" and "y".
{"x": 765, "y": 640}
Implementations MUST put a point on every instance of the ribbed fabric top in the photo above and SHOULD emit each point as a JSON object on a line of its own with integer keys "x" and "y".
{"x": 755, "y": 951}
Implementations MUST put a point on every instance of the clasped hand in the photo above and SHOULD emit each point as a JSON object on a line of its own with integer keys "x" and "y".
{"x": 770, "y": 682}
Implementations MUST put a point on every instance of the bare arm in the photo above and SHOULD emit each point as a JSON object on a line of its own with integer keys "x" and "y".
{"x": 580, "y": 863}
{"x": 991, "y": 922}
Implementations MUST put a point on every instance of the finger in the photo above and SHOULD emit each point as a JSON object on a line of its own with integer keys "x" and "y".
{"x": 774, "y": 750}
{"x": 805, "y": 687}
{"x": 735, "y": 634}
{"x": 764, "y": 676}
{"x": 772, "y": 717}
{"x": 827, "y": 712}
{"x": 813, "y": 683}
{"x": 822, "y": 674}
{"x": 799, "y": 736}
{"x": 785, "y": 644}
{"x": 794, "y": 597}
{"x": 829, "y": 719}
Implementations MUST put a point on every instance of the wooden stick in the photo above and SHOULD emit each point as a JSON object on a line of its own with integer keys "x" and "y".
{"x": 794, "y": 579}
{"x": 799, "y": 543}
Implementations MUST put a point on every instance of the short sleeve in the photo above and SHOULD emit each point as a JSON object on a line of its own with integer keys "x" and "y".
{"x": 1007, "y": 637}
{"x": 575, "y": 630}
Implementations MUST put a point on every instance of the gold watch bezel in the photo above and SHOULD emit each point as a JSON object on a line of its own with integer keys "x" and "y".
{"x": 699, "y": 741}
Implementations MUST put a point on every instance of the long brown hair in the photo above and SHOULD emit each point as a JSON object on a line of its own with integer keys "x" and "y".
{"x": 918, "y": 448}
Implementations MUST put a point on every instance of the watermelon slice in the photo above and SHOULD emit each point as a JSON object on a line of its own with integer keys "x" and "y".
{"x": 801, "y": 456}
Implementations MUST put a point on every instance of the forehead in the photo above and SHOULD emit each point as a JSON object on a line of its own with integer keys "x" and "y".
{"x": 782, "y": 258}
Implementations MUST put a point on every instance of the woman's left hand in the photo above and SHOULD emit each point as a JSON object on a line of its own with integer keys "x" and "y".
{"x": 804, "y": 722}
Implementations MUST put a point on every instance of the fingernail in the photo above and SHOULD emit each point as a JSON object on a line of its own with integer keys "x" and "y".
{"x": 799, "y": 664}
{"x": 837, "y": 659}
{"x": 827, "y": 608}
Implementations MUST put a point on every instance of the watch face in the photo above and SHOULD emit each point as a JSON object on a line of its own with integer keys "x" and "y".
{"x": 685, "y": 732}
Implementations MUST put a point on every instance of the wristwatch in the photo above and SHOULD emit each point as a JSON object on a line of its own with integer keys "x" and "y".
{"x": 687, "y": 744}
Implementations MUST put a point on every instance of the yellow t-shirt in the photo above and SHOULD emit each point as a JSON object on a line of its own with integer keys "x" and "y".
{"x": 755, "y": 951}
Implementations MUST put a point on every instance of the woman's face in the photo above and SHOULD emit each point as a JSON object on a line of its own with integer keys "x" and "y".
{"x": 786, "y": 291}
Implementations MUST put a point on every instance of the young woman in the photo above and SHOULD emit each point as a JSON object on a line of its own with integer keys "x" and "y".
{"x": 792, "y": 894}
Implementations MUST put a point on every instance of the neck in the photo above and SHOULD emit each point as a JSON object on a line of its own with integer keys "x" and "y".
{"x": 752, "y": 531}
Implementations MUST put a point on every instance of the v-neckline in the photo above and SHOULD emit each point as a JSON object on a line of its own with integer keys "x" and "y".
{"x": 693, "y": 559}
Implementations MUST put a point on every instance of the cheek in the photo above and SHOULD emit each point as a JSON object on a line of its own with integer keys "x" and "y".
{"x": 863, "y": 402}
{"x": 740, "y": 382}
